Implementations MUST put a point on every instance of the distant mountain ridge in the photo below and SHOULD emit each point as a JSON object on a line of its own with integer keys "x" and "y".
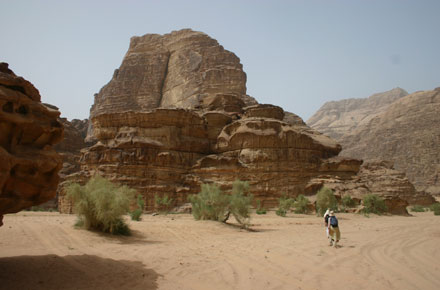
{"x": 338, "y": 118}
{"x": 390, "y": 126}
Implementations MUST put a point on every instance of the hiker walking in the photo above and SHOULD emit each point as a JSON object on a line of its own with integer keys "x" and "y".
{"x": 326, "y": 216}
{"x": 333, "y": 229}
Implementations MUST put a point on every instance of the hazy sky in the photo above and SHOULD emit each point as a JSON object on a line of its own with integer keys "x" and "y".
{"x": 297, "y": 54}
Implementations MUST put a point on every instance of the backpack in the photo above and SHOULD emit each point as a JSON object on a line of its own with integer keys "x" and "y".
{"x": 333, "y": 221}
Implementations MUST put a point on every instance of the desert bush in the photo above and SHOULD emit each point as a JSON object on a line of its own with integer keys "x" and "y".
{"x": 260, "y": 209}
{"x": 164, "y": 203}
{"x": 284, "y": 205}
{"x": 325, "y": 199}
{"x": 417, "y": 208}
{"x": 347, "y": 201}
{"x": 435, "y": 208}
{"x": 301, "y": 204}
{"x": 241, "y": 202}
{"x": 136, "y": 214}
{"x": 100, "y": 205}
{"x": 374, "y": 204}
{"x": 212, "y": 204}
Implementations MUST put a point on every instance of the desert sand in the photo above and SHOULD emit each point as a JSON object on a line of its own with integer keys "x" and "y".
{"x": 40, "y": 250}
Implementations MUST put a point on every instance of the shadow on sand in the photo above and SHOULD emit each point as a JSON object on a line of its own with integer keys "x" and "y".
{"x": 74, "y": 272}
{"x": 136, "y": 237}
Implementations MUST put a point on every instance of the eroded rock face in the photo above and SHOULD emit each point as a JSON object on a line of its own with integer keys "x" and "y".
{"x": 404, "y": 131}
{"x": 176, "y": 115}
{"x": 378, "y": 178}
{"x": 28, "y": 130}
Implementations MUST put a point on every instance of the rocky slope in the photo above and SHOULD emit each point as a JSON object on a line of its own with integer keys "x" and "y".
{"x": 339, "y": 118}
{"x": 378, "y": 178}
{"x": 176, "y": 115}
{"x": 29, "y": 164}
{"x": 405, "y": 132}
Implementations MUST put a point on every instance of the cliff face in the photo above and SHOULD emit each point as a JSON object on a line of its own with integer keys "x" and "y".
{"x": 183, "y": 69}
{"x": 339, "y": 118}
{"x": 408, "y": 134}
{"x": 176, "y": 115}
{"x": 404, "y": 129}
{"x": 28, "y": 163}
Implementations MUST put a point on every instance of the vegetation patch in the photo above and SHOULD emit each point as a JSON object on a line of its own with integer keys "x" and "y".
{"x": 136, "y": 214}
{"x": 435, "y": 208}
{"x": 301, "y": 204}
{"x": 325, "y": 199}
{"x": 260, "y": 209}
{"x": 374, "y": 204}
{"x": 164, "y": 203}
{"x": 417, "y": 208}
{"x": 100, "y": 205}
{"x": 212, "y": 204}
{"x": 285, "y": 203}
{"x": 347, "y": 202}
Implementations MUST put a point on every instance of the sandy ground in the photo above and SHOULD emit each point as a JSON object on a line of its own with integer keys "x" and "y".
{"x": 44, "y": 251}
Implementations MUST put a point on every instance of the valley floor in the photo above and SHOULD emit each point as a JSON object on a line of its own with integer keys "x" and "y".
{"x": 41, "y": 250}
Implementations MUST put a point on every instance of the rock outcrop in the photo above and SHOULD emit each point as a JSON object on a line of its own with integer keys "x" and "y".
{"x": 378, "y": 178}
{"x": 75, "y": 132}
{"x": 176, "y": 115}
{"x": 404, "y": 132}
{"x": 29, "y": 164}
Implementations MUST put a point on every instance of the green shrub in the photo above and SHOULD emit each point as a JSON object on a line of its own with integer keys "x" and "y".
{"x": 301, "y": 204}
{"x": 260, "y": 209}
{"x": 100, "y": 205}
{"x": 417, "y": 208}
{"x": 212, "y": 204}
{"x": 347, "y": 201}
{"x": 435, "y": 208}
{"x": 164, "y": 203}
{"x": 136, "y": 214}
{"x": 241, "y": 202}
{"x": 325, "y": 199}
{"x": 284, "y": 205}
{"x": 374, "y": 204}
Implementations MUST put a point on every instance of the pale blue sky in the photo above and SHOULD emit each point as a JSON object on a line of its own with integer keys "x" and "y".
{"x": 297, "y": 54}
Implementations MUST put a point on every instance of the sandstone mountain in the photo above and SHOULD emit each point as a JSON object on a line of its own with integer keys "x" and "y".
{"x": 339, "y": 118}
{"x": 29, "y": 164}
{"x": 176, "y": 115}
{"x": 405, "y": 131}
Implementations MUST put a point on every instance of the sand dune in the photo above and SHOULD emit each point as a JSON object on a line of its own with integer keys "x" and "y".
{"x": 44, "y": 251}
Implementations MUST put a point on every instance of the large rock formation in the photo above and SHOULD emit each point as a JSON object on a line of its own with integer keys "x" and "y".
{"x": 405, "y": 132}
{"x": 339, "y": 118}
{"x": 28, "y": 130}
{"x": 176, "y": 115}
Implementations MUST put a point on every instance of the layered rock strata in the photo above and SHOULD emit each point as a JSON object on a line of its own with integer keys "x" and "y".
{"x": 176, "y": 115}
{"x": 29, "y": 164}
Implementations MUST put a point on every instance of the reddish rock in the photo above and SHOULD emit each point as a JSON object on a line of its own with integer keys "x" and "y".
{"x": 29, "y": 164}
